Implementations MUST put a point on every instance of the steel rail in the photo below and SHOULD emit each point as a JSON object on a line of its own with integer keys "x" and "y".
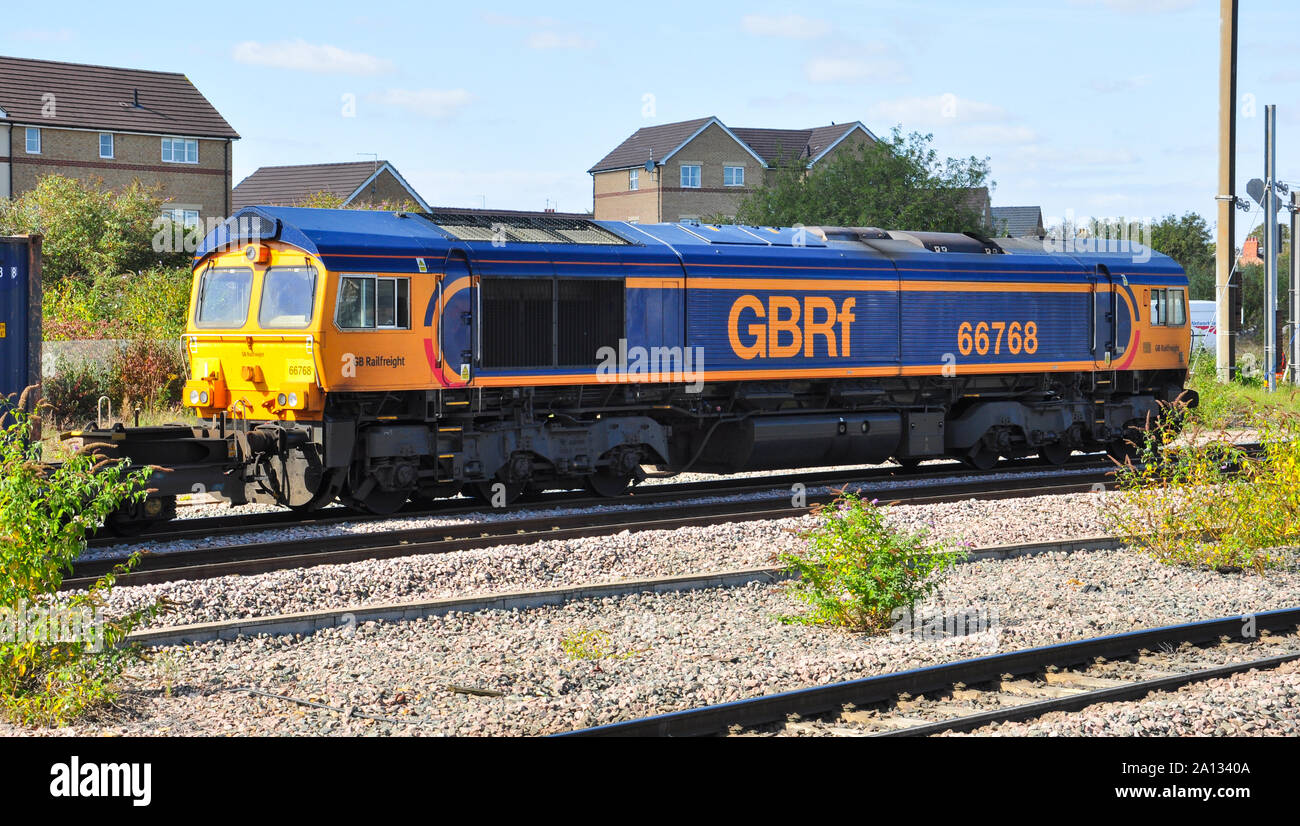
{"x": 648, "y": 494}
{"x": 262, "y": 557}
{"x": 758, "y": 711}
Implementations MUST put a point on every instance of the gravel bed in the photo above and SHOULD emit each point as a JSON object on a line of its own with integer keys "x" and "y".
{"x": 1255, "y": 704}
{"x": 658, "y": 652}
{"x": 364, "y": 527}
{"x": 625, "y": 555}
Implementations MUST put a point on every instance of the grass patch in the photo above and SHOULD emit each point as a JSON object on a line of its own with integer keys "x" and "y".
{"x": 1206, "y": 503}
{"x": 1239, "y": 403}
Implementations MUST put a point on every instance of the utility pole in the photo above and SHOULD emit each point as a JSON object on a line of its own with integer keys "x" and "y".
{"x": 1293, "y": 353}
{"x": 1225, "y": 250}
{"x": 1270, "y": 245}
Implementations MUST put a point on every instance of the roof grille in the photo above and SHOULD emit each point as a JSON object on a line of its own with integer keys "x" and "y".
{"x": 524, "y": 229}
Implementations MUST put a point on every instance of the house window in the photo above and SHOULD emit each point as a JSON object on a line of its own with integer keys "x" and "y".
{"x": 733, "y": 176}
{"x": 180, "y": 150}
{"x": 367, "y": 302}
{"x": 33, "y": 140}
{"x": 634, "y": 179}
{"x": 105, "y": 144}
{"x": 185, "y": 217}
{"x": 690, "y": 176}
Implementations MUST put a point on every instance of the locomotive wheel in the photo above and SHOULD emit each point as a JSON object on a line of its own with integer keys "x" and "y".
{"x": 907, "y": 464}
{"x": 984, "y": 459}
{"x": 1057, "y": 454}
{"x": 607, "y": 484}
{"x": 482, "y": 491}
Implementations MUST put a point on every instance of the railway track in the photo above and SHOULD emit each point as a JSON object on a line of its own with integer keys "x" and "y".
{"x": 261, "y": 557}
{"x": 200, "y": 527}
{"x": 1017, "y": 685}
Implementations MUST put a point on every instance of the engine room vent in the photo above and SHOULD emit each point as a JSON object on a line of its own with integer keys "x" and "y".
{"x": 543, "y": 322}
{"x": 523, "y": 229}
{"x": 518, "y": 322}
{"x": 590, "y": 316}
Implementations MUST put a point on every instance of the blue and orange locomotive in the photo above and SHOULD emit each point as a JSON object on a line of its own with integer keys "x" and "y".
{"x": 374, "y": 357}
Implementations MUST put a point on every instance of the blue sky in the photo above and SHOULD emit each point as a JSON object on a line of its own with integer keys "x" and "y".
{"x": 1101, "y": 107}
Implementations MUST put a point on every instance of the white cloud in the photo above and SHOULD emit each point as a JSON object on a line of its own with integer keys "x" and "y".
{"x": 791, "y": 25}
{"x": 432, "y": 103}
{"x": 310, "y": 57}
{"x": 935, "y": 110}
{"x": 555, "y": 40}
{"x": 854, "y": 69}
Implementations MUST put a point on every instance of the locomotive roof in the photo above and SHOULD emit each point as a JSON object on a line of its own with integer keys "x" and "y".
{"x": 364, "y": 237}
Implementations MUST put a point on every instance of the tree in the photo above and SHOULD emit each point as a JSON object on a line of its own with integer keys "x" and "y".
{"x": 898, "y": 183}
{"x": 324, "y": 199}
{"x": 1187, "y": 240}
{"x": 91, "y": 231}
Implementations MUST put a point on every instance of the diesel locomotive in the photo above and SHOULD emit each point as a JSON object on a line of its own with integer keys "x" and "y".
{"x": 376, "y": 357}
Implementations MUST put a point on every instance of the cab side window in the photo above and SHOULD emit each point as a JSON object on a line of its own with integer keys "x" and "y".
{"x": 1177, "y": 316}
{"x": 1168, "y": 308}
{"x": 369, "y": 302}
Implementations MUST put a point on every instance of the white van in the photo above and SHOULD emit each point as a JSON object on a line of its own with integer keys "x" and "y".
{"x": 1204, "y": 318}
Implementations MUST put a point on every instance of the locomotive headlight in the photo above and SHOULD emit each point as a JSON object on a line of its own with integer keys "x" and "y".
{"x": 293, "y": 399}
{"x": 281, "y": 400}
{"x": 203, "y": 397}
{"x": 194, "y": 397}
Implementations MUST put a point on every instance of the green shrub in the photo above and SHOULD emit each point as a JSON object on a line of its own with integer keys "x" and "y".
{"x": 134, "y": 305}
{"x": 1197, "y": 499}
{"x": 45, "y": 515}
{"x": 90, "y": 230}
{"x": 857, "y": 570}
{"x": 72, "y": 393}
{"x": 148, "y": 373}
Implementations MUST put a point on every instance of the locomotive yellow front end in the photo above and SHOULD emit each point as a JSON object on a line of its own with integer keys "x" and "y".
{"x": 253, "y": 335}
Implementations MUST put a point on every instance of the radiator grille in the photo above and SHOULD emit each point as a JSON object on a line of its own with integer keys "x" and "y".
{"x": 542, "y": 322}
{"x": 590, "y": 316}
{"x": 518, "y": 322}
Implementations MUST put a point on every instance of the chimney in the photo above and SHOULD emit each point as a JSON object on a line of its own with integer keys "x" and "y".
{"x": 1250, "y": 251}
{"x": 135, "y": 98}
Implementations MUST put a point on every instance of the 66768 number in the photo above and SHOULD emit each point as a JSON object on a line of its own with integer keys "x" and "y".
{"x": 981, "y": 337}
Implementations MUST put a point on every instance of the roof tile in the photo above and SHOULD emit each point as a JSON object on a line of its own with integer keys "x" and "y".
{"x": 102, "y": 97}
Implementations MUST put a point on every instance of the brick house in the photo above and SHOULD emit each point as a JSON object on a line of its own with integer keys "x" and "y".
{"x": 356, "y": 183}
{"x": 117, "y": 125}
{"x": 702, "y": 167}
